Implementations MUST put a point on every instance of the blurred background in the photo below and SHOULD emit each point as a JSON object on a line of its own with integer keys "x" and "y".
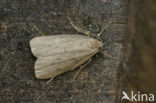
{"x": 139, "y": 64}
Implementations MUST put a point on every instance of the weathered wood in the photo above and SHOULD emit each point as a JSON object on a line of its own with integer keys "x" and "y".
{"x": 96, "y": 83}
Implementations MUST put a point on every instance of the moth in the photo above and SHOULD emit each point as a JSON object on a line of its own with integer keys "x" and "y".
{"x": 57, "y": 54}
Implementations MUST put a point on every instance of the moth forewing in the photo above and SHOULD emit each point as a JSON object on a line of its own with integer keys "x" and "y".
{"x": 61, "y": 53}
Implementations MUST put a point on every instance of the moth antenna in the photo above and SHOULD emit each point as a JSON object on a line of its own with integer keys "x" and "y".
{"x": 104, "y": 28}
{"x": 82, "y": 31}
{"x": 81, "y": 67}
{"x": 78, "y": 29}
{"x": 49, "y": 81}
{"x": 109, "y": 56}
{"x": 40, "y": 32}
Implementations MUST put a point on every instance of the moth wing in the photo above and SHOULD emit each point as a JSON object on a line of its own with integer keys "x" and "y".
{"x": 48, "y": 67}
{"x": 61, "y": 53}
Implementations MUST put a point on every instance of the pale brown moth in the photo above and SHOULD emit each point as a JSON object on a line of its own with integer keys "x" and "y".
{"x": 57, "y": 54}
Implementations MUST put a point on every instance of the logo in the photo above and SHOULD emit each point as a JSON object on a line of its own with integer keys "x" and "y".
{"x": 137, "y": 96}
{"x": 125, "y": 96}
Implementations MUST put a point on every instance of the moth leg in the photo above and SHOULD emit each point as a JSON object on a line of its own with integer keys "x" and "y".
{"x": 40, "y": 32}
{"x": 81, "y": 67}
{"x": 49, "y": 80}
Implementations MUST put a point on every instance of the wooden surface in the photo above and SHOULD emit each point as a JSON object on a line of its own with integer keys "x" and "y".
{"x": 96, "y": 83}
